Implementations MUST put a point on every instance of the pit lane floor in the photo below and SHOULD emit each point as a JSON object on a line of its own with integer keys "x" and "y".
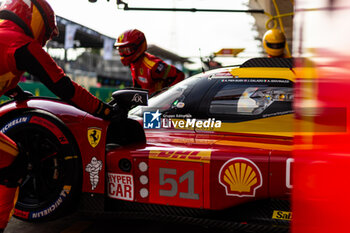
{"x": 77, "y": 223}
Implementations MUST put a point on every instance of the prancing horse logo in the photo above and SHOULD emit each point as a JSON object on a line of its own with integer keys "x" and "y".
{"x": 94, "y": 136}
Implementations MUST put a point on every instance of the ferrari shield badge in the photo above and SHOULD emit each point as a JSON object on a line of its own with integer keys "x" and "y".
{"x": 94, "y": 136}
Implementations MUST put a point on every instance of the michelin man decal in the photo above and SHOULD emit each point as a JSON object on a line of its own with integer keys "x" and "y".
{"x": 94, "y": 167}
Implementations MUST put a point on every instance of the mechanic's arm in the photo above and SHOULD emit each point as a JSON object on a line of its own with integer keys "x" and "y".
{"x": 33, "y": 59}
{"x": 168, "y": 73}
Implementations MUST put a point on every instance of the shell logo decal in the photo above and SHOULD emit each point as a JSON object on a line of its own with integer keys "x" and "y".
{"x": 240, "y": 177}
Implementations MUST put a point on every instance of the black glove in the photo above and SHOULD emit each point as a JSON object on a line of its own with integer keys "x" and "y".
{"x": 18, "y": 94}
{"x": 13, "y": 175}
{"x": 112, "y": 113}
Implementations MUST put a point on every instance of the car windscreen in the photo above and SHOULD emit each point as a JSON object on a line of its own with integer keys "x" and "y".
{"x": 252, "y": 97}
{"x": 171, "y": 98}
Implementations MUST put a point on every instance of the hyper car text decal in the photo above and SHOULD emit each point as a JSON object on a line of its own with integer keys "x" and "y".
{"x": 94, "y": 136}
{"x": 240, "y": 177}
{"x": 193, "y": 156}
{"x": 121, "y": 186}
{"x": 94, "y": 168}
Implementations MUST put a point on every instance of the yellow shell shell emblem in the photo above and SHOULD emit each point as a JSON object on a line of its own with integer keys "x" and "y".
{"x": 240, "y": 177}
{"x": 94, "y": 136}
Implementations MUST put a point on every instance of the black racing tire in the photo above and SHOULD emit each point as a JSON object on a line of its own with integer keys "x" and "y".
{"x": 54, "y": 173}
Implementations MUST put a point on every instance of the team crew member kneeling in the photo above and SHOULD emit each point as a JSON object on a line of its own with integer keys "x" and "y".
{"x": 25, "y": 27}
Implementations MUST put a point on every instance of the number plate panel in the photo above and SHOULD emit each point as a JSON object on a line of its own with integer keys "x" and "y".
{"x": 176, "y": 183}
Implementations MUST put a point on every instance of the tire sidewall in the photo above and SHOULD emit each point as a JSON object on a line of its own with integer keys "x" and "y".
{"x": 63, "y": 199}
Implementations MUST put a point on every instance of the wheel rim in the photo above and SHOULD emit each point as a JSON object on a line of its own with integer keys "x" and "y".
{"x": 44, "y": 179}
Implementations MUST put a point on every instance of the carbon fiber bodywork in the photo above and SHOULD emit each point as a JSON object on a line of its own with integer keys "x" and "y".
{"x": 250, "y": 217}
{"x": 269, "y": 62}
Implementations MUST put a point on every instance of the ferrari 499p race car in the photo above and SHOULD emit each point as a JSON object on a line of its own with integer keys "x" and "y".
{"x": 215, "y": 147}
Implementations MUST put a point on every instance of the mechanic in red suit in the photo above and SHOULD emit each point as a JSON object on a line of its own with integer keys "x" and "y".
{"x": 148, "y": 72}
{"x": 25, "y": 27}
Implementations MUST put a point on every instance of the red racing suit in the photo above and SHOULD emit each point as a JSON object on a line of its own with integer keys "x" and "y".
{"x": 8, "y": 152}
{"x": 20, "y": 53}
{"x": 152, "y": 73}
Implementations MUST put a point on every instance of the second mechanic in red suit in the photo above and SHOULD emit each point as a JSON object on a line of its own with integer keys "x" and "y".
{"x": 25, "y": 27}
{"x": 148, "y": 71}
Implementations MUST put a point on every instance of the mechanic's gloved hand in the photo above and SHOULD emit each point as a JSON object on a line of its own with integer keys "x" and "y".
{"x": 109, "y": 112}
{"x": 18, "y": 94}
{"x": 13, "y": 175}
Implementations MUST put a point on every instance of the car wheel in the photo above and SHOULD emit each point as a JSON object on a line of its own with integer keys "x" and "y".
{"x": 53, "y": 179}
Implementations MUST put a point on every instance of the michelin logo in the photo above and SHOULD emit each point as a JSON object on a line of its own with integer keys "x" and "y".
{"x": 94, "y": 167}
{"x": 13, "y": 123}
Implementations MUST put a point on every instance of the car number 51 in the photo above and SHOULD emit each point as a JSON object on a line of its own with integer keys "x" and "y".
{"x": 189, "y": 175}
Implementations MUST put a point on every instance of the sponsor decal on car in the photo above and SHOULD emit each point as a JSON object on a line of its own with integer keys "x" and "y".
{"x": 153, "y": 120}
{"x": 94, "y": 168}
{"x": 94, "y": 136}
{"x": 240, "y": 177}
{"x": 14, "y": 122}
{"x": 282, "y": 215}
{"x": 193, "y": 156}
{"x": 121, "y": 186}
{"x": 54, "y": 205}
{"x": 137, "y": 99}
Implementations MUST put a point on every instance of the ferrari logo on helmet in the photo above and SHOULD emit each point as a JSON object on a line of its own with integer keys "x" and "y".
{"x": 94, "y": 136}
{"x": 121, "y": 37}
{"x": 240, "y": 177}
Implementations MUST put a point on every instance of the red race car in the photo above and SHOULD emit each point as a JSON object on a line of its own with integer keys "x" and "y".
{"x": 215, "y": 147}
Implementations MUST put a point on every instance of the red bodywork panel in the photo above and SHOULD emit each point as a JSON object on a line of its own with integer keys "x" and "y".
{"x": 188, "y": 169}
